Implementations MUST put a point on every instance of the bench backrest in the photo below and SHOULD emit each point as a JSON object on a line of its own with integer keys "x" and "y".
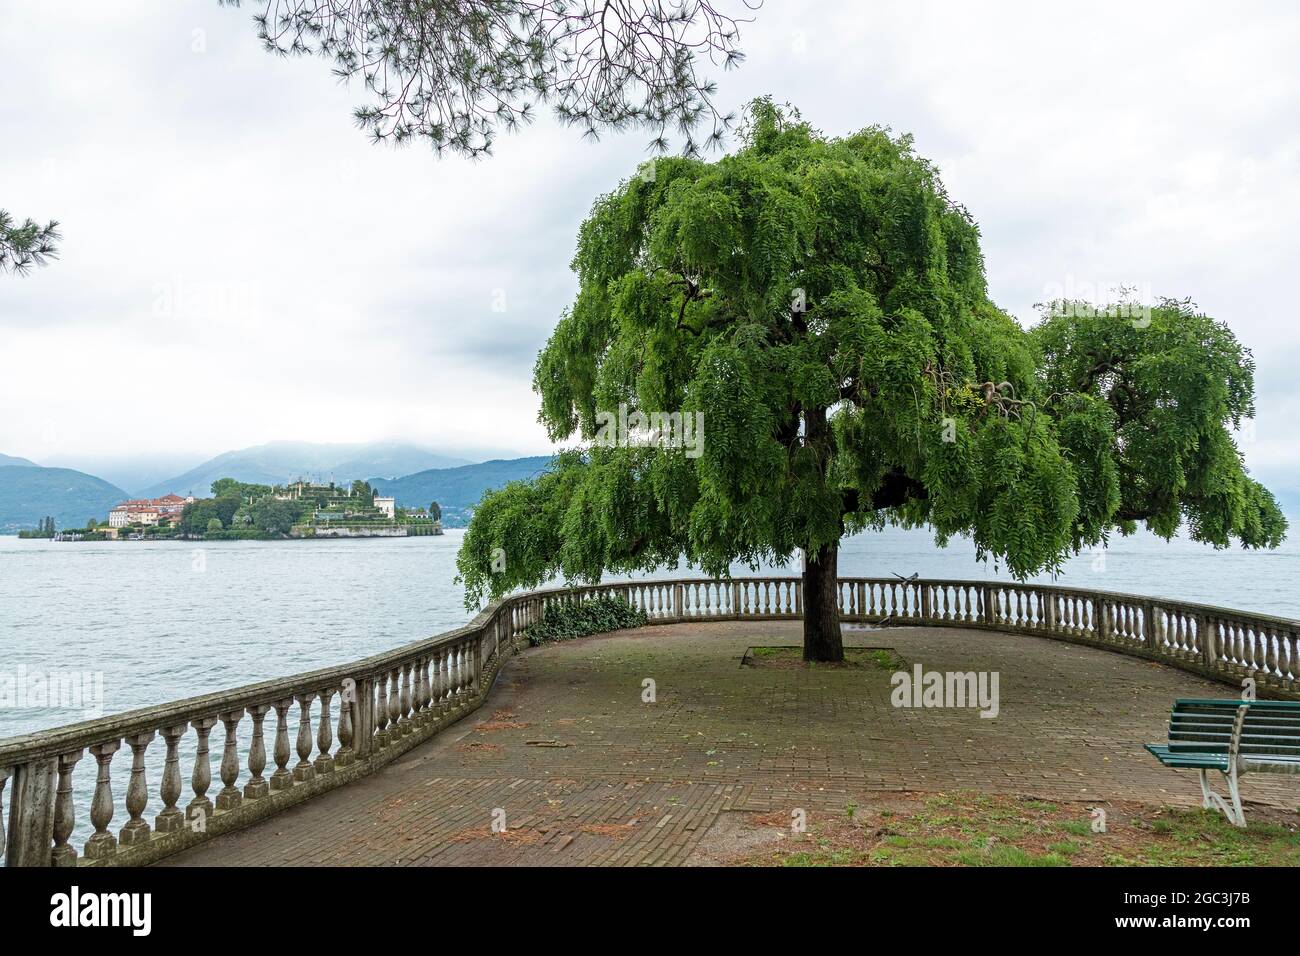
{"x": 1269, "y": 728}
{"x": 1202, "y": 726}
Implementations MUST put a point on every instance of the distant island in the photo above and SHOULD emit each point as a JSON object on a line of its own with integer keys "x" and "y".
{"x": 31, "y": 492}
{"x": 242, "y": 511}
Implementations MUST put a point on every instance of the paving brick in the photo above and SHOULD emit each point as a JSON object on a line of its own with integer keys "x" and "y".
{"x": 641, "y": 784}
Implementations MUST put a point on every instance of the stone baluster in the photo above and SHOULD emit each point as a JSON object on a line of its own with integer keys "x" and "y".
{"x": 417, "y": 692}
{"x": 136, "y": 829}
{"x": 439, "y": 680}
{"x": 102, "y": 844}
{"x": 200, "y": 808}
{"x": 282, "y": 779}
{"x": 381, "y": 710}
{"x": 347, "y": 698}
{"x": 325, "y": 733}
{"x": 394, "y": 704}
{"x": 257, "y": 787}
{"x": 65, "y": 819}
{"x": 172, "y": 818}
{"x": 229, "y": 798}
{"x": 434, "y": 692}
{"x": 404, "y": 702}
{"x": 426, "y": 691}
{"x": 304, "y": 771}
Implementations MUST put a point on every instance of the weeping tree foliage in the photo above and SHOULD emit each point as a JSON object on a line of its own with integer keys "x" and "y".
{"x": 823, "y": 303}
{"x": 454, "y": 72}
{"x": 26, "y": 244}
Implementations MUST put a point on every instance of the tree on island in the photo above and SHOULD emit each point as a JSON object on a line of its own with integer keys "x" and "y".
{"x": 435, "y": 511}
{"x": 276, "y": 517}
{"x": 240, "y": 490}
{"x": 454, "y": 73}
{"x": 196, "y": 515}
{"x": 823, "y": 303}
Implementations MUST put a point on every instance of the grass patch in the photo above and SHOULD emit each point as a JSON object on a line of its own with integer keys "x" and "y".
{"x": 855, "y": 658}
{"x": 973, "y": 829}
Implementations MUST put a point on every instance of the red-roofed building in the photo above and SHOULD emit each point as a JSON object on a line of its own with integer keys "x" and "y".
{"x": 147, "y": 511}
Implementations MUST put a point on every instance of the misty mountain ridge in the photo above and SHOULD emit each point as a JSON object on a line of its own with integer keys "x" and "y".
{"x": 458, "y": 490}
{"x": 29, "y": 493}
{"x": 279, "y": 462}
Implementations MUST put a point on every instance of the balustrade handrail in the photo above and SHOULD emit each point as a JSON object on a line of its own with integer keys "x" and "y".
{"x": 395, "y": 699}
{"x": 44, "y": 742}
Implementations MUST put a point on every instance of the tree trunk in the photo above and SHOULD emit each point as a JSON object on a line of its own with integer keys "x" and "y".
{"x": 821, "y": 613}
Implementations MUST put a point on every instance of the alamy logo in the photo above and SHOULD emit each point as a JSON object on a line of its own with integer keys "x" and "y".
{"x": 952, "y": 689}
{"x": 63, "y": 690}
{"x": 74, "y": 909}
{"x": 683, "y": 430}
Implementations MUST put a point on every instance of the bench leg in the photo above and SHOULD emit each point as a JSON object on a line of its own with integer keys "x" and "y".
{"x": 1212, "y": 801}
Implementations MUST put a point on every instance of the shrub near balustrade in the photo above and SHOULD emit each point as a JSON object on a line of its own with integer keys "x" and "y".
{"x": 562, "y": 622}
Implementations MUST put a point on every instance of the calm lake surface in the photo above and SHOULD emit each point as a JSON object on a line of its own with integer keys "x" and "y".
{"x": 145, "y": 623}
{"x": 161, "y": 621}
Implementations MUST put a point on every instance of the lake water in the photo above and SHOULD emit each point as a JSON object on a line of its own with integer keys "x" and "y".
{"x": 165, "y": 620}
{"x": 146, "y": 623}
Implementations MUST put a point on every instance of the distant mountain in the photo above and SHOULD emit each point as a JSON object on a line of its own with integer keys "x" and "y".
{"x": 8, "y": 460}
{"x": 282, "y": 461}
{"x": 28, "y": 493}
{"x": 133, "y": 471}
{"x": 458, "y": 490}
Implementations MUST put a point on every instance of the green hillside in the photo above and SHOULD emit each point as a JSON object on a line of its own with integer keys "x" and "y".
{"x": 458, "y": 490}
{"x": 29, "y": 493}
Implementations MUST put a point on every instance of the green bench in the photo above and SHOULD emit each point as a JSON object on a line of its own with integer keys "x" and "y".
{"x": 1234, "y": 737}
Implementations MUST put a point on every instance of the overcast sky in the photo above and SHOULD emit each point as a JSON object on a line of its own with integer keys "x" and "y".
{"x": 241, "y": 265}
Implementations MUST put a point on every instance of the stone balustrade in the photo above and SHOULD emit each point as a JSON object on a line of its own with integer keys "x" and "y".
{"x": 351, "y": 720}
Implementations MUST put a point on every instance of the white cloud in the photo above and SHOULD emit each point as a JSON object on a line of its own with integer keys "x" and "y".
{"x": 341, "y": 291}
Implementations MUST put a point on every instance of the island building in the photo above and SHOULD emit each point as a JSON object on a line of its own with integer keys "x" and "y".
{"x": 148, "y": 511}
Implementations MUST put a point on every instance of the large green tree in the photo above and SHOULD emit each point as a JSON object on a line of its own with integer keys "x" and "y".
{"x": 823, "y": 303}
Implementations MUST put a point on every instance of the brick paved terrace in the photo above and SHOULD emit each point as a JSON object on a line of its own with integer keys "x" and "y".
{"x": 587, "y": 773}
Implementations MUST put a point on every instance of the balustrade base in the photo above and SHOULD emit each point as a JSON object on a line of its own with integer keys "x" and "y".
{"x": 256, "y": 789}
{"x": 281, "y": 780}
{"x": 323, "y": 765}
{"x": 63, "y": 856}
{"x": 229, "y": 799}
{"x": 304, "y": 773}
{"x": 101, "y": 846}
{"x": 134, "y": 832}
{"x": 169, "y": 821}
